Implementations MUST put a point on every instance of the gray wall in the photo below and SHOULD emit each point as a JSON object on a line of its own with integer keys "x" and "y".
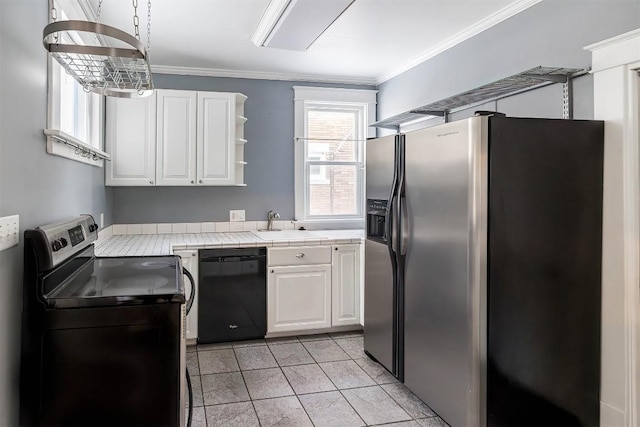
{"x": 551, "y": 33}
{"x": 39, "y": 187}
{"x": 268, "y": 152}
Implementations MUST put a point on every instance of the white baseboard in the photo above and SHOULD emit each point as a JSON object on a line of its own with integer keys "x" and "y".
{"x": 610, "y": 416}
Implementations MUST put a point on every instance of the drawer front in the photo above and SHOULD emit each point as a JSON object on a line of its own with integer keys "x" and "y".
{"x": 302, "y": 255}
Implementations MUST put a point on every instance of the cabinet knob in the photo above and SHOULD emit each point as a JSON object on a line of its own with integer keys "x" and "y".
{"x": 151, "y": 182}
{"x": 200, "y": 181}
{"x": 300, "y": 255}
{"x": 193, "y": 182}
{"x": 335, "y": 249}
{"x": 273, "y": 271}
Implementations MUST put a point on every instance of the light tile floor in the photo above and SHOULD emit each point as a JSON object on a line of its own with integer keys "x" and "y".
{"x": 314, "y": 380}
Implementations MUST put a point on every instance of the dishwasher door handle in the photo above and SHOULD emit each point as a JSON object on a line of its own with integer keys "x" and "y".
{"x": 232, "y": 258}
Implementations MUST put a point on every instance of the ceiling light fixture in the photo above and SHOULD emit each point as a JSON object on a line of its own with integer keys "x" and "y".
{"x": 102, "y": 59}
{"x": 296, "y": 24}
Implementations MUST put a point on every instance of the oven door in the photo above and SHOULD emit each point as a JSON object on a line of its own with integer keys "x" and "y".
{"x": 107, "y": 360}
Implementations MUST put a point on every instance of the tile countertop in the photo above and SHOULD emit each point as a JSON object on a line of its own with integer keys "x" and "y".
{"x": 165, "y": 244}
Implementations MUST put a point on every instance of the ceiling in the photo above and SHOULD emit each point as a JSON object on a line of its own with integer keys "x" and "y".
{"x": 372, "y": 41}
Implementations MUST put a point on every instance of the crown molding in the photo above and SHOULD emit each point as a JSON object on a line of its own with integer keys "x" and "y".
{"x": 480, "y": 26}
{"x": 262, "y": 75}
{"x": 614, "y": 40}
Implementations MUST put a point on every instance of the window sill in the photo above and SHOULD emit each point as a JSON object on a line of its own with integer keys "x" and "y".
{"x": 64, "y": 145}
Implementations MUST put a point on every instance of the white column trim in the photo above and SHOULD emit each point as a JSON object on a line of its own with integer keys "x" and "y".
{"x": 617, "y": 62}
{"x": 631, "y": 193}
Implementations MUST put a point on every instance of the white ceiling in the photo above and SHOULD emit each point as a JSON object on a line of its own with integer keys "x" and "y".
{"x": 372, "y": 41}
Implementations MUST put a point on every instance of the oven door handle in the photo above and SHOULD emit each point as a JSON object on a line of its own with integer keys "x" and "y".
{"x": 192, "y": 295}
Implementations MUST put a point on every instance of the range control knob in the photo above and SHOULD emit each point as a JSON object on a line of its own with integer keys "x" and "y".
{"x": 56, "y": 245}
{"x": 93, "y": 227}
{"x": 63, "y": 242}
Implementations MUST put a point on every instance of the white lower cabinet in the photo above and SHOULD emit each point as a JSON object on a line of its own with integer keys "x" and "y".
{"x": 314, "y": 287}
{"x": 345, "y": 285}
{"x": 190, "y": 262}
{"x": 299, "y": 298}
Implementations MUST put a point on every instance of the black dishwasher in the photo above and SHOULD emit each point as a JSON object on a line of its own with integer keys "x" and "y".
{"x": 232, "y": 297}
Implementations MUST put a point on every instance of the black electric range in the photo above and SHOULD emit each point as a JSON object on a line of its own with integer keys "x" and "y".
{"x": 103, "y": 340}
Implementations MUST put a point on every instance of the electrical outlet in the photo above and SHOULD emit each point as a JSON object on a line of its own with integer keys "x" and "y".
{"x": 236, "y": 215}
{"x": 9, "y": 231}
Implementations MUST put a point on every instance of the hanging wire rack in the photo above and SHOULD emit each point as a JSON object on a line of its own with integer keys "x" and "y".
{"x": 122, "y": 72}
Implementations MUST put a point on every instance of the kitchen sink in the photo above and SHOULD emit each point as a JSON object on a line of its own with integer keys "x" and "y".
{"x": 288, "y": 235}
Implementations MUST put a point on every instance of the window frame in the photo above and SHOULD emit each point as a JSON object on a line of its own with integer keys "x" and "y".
{"x": 91, "y": 107}
{"x": 308, "y": 98}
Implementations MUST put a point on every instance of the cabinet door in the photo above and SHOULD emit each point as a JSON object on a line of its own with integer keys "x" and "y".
{"x": 190, "y": 262}
{"x": 345, "y": 285}
{"x": 216, "y": 138}
{"x": 176, "y": 155}
{"x": 299, "y": 298}
{"x": 131, "y": 141}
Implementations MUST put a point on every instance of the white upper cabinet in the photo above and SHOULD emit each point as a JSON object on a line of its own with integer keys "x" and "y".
{"x": 176, "y": 133}
{"x": 216, "y": 139}
{"x": 131, "y": 141}
{"x": 176, "y": 138}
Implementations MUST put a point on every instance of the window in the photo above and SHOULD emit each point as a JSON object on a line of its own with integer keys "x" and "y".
{"x": 74, "y": 116}
{"x": 330, "y": 131}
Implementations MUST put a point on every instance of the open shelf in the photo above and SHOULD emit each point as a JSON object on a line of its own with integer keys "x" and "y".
{"x": 508, "y": 86}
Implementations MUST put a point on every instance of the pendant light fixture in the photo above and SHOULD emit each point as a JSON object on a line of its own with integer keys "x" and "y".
{"x": 103, "y": 59}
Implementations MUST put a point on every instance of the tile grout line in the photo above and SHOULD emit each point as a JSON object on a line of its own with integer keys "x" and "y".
{"x": 245, "y": 386}
{"x": 295, "y": 394}
{"x": 288, "y": 382}
{"x": 201, "y": 391}
{"x": 380, "y": 385}
{"x": 376, "y": 383}
{"x": 341, "y": 394}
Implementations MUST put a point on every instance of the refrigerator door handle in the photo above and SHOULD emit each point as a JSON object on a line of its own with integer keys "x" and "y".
{"x": 390, "y": 224}
{"x": 391, "y": 217}
{"x": 404, "y": 219}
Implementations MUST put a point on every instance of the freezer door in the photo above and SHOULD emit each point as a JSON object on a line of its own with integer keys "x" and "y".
{"x": 445, "y": 224}
{"x": 380, "y": 167}
{"x": 378, "y": 304}
{"x": 379, "y": 337}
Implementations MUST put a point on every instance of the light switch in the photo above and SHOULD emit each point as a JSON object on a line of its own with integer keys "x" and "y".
{"x": 9, "y": 231}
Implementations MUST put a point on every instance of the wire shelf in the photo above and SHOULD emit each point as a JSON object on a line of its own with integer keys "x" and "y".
{"x": 109, "y": 71}
{"x": 530, "y": 79}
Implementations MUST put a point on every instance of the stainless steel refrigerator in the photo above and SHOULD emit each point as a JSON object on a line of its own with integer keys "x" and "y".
{"x": 483, "y": 265}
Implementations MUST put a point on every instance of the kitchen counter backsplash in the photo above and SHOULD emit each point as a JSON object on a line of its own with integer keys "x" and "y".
{"x": 163, "y": 239}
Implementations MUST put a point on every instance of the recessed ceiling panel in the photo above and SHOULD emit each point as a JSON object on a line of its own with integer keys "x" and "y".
{"x": 303, "y": 22}
{"x": 369, "y": 39}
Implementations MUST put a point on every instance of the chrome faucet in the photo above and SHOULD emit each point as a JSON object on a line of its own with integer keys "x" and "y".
{"x": 271, "y": 215}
